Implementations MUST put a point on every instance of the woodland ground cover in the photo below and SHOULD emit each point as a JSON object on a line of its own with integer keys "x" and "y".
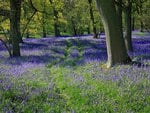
{"x": 68, "y": 74}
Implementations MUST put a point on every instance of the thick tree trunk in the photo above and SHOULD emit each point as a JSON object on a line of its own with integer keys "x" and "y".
{"x": 92, "y": 19}
{"x": 128, "y": 29}
{"x": 15, "y": 35}
{"x": 116, "y": 49}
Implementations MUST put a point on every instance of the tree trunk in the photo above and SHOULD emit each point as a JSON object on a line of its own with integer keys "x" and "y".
{"x": 128, "y": 29}
{"x": 56, "y": 26}
{"x": 44, "y": 19}
{"x": 44, "y": 32}
{"x": 92, "y": 19}
{"x": 74, "y": 28}
{"x": 88, "y": 30}
{"x": 15, "y": 35}
{"x": 140, "y": 12}
{"x": 141, "y": 25}
{"x": 43, "y": 25}
{"x": 116, "y": 48}
{"x": 27, "y": 33}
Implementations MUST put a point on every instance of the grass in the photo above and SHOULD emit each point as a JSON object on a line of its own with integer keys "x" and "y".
{"x": 82, "y": 89}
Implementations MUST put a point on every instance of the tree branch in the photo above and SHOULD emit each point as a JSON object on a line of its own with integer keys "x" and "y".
{"x": 35, "y": 9}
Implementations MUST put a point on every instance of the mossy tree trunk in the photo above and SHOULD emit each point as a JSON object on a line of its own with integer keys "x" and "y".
{"x": 112, "y": 21}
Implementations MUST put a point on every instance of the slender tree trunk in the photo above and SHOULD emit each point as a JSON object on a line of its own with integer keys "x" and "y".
{"x": 43, "y": 26}
{"x": 116, "y": 48}
{"x": 27, "y": 33}
{"x": 92, "y": 19}
{"x": 15, "y": 6}
{"x": 56, "y": 26}
{"x": 140, "y": 12}
{"x": 128, "y": 29}
{"x": 74, "y": 28}
{"x": 88, "y": 30}
{"x": 141, "y": 26}
{"x": 44, "y": 32}
{"x": 44, "y": 20}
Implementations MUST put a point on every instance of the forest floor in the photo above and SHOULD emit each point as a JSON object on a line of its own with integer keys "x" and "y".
{"x": 68, "y": 74}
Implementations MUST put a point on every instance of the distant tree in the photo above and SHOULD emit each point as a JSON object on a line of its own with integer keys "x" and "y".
{"x": 111, "y": 17}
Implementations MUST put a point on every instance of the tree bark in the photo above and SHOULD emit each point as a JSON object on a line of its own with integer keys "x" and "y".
{"x": 15, "y": 35}
{"x": 128, "y": 27}
{"x": 116, "y": 49}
